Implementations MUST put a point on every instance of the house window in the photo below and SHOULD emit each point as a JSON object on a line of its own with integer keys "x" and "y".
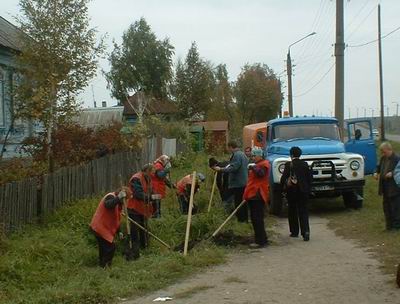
{"x": 2, "y": 99}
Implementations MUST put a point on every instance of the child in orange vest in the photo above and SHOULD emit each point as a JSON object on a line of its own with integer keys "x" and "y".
{"x": 183, "y": 189}
{"x": 105, "y": 224}
{"x": 256, "y": 195}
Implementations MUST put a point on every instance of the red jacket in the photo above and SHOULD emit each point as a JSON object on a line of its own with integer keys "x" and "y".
{"x": 143, "y": 207}
{"x": 181, "y": 185}
{"x": 106, "y": 222}
{"x": 158, "y": 182}
{"x": 258, "y": 184}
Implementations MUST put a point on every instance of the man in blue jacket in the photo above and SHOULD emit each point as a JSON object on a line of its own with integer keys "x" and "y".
{"x": 237, "y": 170}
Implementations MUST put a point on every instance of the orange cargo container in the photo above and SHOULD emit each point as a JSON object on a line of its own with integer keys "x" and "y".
{"x": 255, "y": 135}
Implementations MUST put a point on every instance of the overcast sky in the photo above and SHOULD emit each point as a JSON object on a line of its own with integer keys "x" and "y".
{"x": 238, "y": 32}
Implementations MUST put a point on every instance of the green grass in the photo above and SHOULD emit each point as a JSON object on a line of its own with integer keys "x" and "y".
{"x": 56, "y": 262}
{"x": 365, "y": 226}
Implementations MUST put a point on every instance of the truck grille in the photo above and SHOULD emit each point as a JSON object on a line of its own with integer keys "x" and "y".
{"x": 324, "y": 170}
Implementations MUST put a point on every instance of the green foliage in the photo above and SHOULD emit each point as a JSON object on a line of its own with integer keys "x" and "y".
{"x": 141, "y": 62}
{"x": 222, "y": 106}
{"x": 16, "y": 169}
{"x": 83, "y": 144}
{"x": 56, "y": 262}
{"x": 258, "y": 94}
{"x": 59, "y": 58}
{"x": 194, "y": 85}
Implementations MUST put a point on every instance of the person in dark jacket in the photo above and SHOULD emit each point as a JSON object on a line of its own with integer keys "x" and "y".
{"x": 237, "y": 170}
{"x": 105, "y": 224}
{"x": 223, "y": 184}
{"x": 296, "y": 182}
{"x": 388, "y": 187}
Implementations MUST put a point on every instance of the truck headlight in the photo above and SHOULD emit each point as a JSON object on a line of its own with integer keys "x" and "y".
{"x": 281, "y": 168}
{"x": 355, "y": 165}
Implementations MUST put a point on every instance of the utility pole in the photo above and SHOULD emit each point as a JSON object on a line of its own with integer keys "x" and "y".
{"x": 381, "y": 75}
{"x": 349, "y": 113}
{"x": 339, "y": 65}
{"x": 357, "y": 112}
{"x": 372, "y": 112}
{"x": 289, "y": 75}
{"x": 365, "y": 112}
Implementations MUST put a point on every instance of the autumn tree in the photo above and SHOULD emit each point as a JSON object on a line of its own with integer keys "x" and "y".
{"x": 194, "y": 85}
{"x": 257, "y": 93}
{"x": 58, "y": 59}
{"x": 141, "y": 63}
{"x": 222, "y": 106}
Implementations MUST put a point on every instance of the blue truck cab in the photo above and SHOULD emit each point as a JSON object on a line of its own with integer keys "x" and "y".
{"x": 338, "y": 167}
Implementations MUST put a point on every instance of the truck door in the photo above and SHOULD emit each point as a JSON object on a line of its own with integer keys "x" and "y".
{"x": 360, "y": 140}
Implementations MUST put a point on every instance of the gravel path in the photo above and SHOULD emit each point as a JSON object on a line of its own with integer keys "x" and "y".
{"x": 328, "y": 269}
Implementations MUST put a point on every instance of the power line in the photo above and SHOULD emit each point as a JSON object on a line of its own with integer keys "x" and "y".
{"x": 358, "y": 13}
{"x": 317, "y": 83}
{"x": 375, "y": 40}
{"x": 312, "y": 29}
{"x": 362, "y": 22}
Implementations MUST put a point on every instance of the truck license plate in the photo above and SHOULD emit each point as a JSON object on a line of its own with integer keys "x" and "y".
{"x": 324, "y": 188}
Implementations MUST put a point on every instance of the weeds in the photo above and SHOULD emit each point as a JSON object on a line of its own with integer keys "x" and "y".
{"x": 56, "y": 262}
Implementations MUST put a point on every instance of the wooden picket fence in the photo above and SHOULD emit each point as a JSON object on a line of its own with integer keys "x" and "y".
{"x": 25, "y": 201}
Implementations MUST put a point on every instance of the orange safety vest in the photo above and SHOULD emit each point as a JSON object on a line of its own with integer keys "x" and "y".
{"x": 141, "y": 207}
{"x": 255, "y": 183}
{"x": 181, "y": 185}
{"x": 105, "y": 222}
{"x": 158, "y": 183}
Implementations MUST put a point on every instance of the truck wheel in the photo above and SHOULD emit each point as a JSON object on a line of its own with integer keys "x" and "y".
{"x": 348, "y": 198}
{"x": 358, "y": 203}
{"x": 276, "y": 201}
{"x": 351, "y": 200}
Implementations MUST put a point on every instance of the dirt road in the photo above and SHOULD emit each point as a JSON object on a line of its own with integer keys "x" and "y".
{"x": 328, "y": 269}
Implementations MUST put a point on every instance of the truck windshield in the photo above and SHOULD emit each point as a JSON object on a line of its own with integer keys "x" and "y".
{"x": 328, "y": 131}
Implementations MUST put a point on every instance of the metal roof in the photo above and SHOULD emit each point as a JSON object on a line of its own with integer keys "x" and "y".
{"x": 9, "y": 35}
{"x": 97, "y": 117}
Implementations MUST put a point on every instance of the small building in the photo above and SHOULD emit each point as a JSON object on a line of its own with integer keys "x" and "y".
{"x": 14, "y": 130}
{"x": 198, "y": 137}
{"x": 216, "y": 134}
{"x": 138, "y": 102}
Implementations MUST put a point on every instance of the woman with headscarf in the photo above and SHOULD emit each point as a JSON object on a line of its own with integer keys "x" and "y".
{"x": 162, "y": 166}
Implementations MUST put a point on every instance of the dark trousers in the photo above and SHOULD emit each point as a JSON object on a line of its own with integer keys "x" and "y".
{"x": 298, "y": 213}
{"x": 391, "y": 210}
{"x": 257, "y": 220}
{"x": 157, "y": 208}
{"x": 243, "y": 213}
{"x": 184, "y": 205}
{"x": 106, "y": 251}
{"x": 138, "y": 236}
